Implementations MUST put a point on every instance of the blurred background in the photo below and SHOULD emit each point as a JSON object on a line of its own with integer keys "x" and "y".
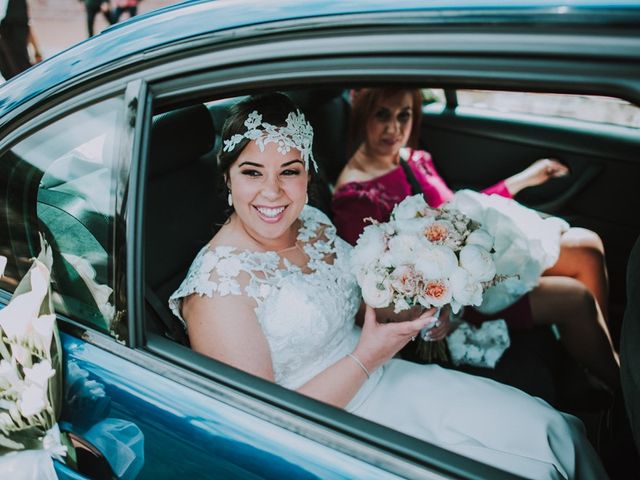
{"x": 58, "y": 24}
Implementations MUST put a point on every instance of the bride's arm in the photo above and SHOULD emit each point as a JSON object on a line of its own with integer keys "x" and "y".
{"x": 378, "y": 343}
{"x": 226, "y": 328}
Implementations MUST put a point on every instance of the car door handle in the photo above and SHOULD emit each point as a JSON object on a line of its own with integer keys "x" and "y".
{"x": 586, "y": 176}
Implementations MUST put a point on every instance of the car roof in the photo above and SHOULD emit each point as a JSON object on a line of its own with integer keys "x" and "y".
{"x": 192, "y": 19}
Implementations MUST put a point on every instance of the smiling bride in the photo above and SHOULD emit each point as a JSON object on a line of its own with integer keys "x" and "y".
{"x": 272, "y": 294}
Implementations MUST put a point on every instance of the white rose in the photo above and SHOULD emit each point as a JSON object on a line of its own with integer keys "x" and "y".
{"x": 405, "y": 280}
{"x": 478, "y": 262}
{"x": 465, "y": 290}
{"x": 436, "y": 293}
{"x": 369, "y": 247}
{"x": 410, "y": 207}
{"x": 436, "y": 261}
{"x": 442, "y": 232}
{"x": 481, "y": 238}
{"x": 377, "y": 293}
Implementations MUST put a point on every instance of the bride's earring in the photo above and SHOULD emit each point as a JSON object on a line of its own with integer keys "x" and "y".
{"x": 306, "y": 200}
{"x": 229, "y": 199}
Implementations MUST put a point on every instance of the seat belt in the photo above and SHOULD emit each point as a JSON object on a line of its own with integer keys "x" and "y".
{"x": 173, "y": 329}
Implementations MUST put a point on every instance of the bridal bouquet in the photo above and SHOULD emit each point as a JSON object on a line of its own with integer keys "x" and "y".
{"x": 424, "y": 257}
{"x": 30, "y": 376}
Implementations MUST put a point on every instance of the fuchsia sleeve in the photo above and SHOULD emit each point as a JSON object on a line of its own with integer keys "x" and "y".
{"x": 499, "y": 188}
{"x": 350, "y": 211}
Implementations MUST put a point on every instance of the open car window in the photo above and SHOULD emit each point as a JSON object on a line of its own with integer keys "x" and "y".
{"x": 63, "y": 187}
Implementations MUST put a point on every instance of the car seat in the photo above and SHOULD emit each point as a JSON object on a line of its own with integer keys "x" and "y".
{"x": 630, "y": 344}
{"x": 182, "y": 207}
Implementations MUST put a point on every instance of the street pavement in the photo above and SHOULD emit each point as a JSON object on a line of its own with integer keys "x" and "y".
{"x": 58, "y": 24}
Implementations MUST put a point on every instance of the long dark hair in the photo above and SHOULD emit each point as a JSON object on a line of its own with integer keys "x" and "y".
{"x": 363, "y": 105}
{"x": 274, "y": 108}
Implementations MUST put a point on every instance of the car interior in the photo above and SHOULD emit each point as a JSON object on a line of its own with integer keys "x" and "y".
{"x": 182, "y": 191}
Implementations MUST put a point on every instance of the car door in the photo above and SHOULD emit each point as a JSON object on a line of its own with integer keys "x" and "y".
{"x": 139, "y": 404}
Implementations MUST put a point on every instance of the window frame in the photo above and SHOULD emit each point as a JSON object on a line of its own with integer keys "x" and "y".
{"x": 58, "y": 108}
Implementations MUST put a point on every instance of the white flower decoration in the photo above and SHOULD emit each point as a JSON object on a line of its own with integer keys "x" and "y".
{"x": 297, "y": 133}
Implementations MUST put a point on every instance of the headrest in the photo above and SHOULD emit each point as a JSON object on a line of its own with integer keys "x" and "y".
{"x": 180, "y": 136}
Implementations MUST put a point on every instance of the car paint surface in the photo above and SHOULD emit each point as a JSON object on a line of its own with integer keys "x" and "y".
{"x": 186, "y": 433}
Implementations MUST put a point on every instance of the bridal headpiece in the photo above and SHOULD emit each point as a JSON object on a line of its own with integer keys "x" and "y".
{"x": 297, "y": 133}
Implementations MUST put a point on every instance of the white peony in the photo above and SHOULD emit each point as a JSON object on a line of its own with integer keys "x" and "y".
{"x": 410, "y": 207}
{"x": 412, "y": 226}
{"x": 402, "y": 249}
{"x": 466, "y": 291}
{"x": 481, "y": 238}
{"x": 370, "y": 246}
{"x": 436, "y": 261}
{"x": 478, "y": 262}
{"x": 376, "y": 293}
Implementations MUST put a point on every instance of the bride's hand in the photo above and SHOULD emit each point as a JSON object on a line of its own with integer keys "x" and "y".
{"x": 443, "y": 326}
{"x": 379, "y": 342}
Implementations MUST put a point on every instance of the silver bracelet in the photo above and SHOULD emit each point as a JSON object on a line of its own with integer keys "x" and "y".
{"x": 360, "y": 364}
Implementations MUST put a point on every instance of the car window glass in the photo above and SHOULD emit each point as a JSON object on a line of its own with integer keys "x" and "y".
{"x": 591, "y": 108}
{"x": 62, "y": 185}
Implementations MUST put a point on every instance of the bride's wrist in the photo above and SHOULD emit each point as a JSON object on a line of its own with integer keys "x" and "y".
{"x": 371, "y": 364}
{"x": 354, "y": 358}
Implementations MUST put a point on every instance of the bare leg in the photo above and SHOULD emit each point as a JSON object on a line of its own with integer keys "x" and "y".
{"x": 567, "y": 303}
{"x": 582, "y": 258}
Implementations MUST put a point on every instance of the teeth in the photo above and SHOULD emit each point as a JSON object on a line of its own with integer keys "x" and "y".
{"x": 270, "y": 212}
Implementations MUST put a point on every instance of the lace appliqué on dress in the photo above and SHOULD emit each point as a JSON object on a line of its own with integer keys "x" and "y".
{"x": 306, "y": 314}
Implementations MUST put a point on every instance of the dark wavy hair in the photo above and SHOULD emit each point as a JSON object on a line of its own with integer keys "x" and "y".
{"x": 274, "y": 108}
{"x": 363, "y": 104}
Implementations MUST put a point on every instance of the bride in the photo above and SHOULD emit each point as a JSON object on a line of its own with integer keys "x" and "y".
{"x": 272, "y": 294}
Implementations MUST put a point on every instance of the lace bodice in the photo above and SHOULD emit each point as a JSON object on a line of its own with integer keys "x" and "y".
{"x": 307, "y": 314}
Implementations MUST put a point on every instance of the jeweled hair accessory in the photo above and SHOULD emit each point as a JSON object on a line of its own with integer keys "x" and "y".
{"x": 297, "y": 133}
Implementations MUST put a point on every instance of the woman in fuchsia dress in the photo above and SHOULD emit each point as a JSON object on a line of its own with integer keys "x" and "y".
{"x": 572, "y": 292}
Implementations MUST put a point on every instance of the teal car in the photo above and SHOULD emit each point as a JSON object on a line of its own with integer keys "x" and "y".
{"x": 108, "y": 149}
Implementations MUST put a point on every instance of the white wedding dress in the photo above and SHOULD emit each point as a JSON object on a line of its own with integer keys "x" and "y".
{"x": 307, "y": 315}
